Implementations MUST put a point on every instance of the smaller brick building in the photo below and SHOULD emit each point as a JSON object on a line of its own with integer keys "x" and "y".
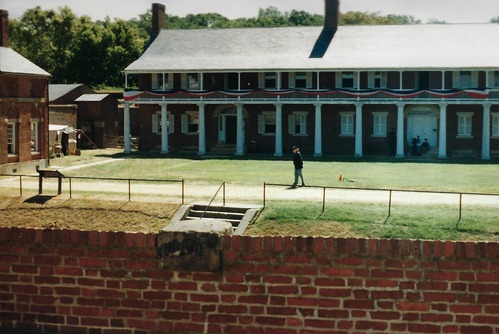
{"x": 94, "y": 116}
{"x": 23, "y": 108}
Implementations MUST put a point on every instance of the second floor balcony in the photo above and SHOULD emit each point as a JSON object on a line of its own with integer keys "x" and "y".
{"x": 305, "y": 87}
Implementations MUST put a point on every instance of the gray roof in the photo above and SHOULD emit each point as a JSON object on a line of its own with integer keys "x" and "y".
{"x": 91, "y": 97}
{"x": 389, "y": 47}
{"x": 58, "y": 90}
{"x": 13, "y": 63}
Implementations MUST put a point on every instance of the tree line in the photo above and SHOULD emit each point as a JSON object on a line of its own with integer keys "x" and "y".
{"x": 78, "y": 50}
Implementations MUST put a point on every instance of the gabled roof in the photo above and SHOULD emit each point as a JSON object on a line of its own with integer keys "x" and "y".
{"x": 58, "y": 90}
{"x": 91, "y": 97}
{"x": 389, "y": 47}
{"x": 12, "y": 62}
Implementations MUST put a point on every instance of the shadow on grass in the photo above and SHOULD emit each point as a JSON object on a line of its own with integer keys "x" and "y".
{"x": 39, "y": 199}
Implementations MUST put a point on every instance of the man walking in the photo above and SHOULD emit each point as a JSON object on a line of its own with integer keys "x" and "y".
{"x": 298, "y": 163}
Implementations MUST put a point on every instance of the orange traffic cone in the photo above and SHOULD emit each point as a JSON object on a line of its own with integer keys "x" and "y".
{"x": 341, "y": 178}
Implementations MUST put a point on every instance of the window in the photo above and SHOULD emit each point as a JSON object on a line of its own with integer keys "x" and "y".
{"x": 495, "y": 124}
{"x": 162, "y": 81}
{"x": 297, "y": 123}
{"x": 11, "y": 138}
{"x": 34, "y": 137}
{"x": 193, "y": 81}
{"x": 190, "y": 122}
{"x": 301, "y": 80}
{"x": 266, "y": 123}
{"x": 156, "y": 123}
{"x": 465, "y": 79}
{"x": 464, "y": 124}
{"x": 379, "y": 125}
{"x": 379, "y": 79}
{"x": 347, "y": 123}
{"x": 270, "y": 80}
{"x": 496, "y": 78}
{"x": 347, "y": 80}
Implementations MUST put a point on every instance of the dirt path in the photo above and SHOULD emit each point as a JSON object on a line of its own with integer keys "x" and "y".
{"x": 234, "y": 193}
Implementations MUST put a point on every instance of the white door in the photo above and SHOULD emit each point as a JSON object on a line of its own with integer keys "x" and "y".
{"x": 424, "y": 126}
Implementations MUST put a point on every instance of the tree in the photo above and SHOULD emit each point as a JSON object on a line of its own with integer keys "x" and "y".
{"x": 77, "y": 50}
{"x": 368, "y": 18}
{"x": 495, "y": 20}
{"x": 45, "y": 37}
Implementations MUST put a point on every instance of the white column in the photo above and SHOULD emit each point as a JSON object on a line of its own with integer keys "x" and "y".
{"x": 240, "y": 130}
{"x": 202, "y": 130}
{"x": 400, "y": 130}
{"x": 164, "y": 129}
{"x": 442, "y": 132}
{"x": 486, "y": 132}
{"x": 126, "y": 129}
{"x": 358, "y": 129}
{"x": 278, "y": 130}
{"x": 318, "y": 130}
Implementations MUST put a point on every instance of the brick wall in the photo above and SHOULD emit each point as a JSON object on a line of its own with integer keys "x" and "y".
{"x": 66, "y": 281}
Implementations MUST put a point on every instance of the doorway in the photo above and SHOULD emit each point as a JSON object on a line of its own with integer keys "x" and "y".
{"x": 227, "y": 126}
{"x": 422, "y": 121}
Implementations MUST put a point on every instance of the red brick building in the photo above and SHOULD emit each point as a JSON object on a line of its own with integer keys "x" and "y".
{"x": 23, "y": 108}
{"x": 95, "y": 117}
{"x": 332, "y": 90}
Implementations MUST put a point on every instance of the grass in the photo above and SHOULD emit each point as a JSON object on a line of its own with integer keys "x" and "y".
{"x": 302, "y": 217}
{"x": 478, "y": 176}
{"x": 371, "y": 220}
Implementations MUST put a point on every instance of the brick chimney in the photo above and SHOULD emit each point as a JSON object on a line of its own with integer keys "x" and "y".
{"x": 332, "y": 15}
{"x": 158, "y": 18}
{"x": 4, "y": 28}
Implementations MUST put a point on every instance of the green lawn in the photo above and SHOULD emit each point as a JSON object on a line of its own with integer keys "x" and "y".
{"x": 431, "y": 221}
{"x": 482, "y": 177}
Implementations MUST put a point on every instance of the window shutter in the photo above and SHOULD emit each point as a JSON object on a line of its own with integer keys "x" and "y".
{"x": 170, "y": 80}
{"x": 261, "y": 80}
{"x": 303, "y": 124}
{"x": 155, "y": 123}
{"x": 183, "y": 80}
{"x": 474, "y": 79}
{"x": 291, "y": 124}
{"x": 291, "y": 79}
{"x": 309, "y": 80}
{"x": 456, "y": 76}
{"x": 261, "y": 124}
{"x": 339, "y": 79}
{"x": 370, "y": 80}
{"x": 185, "y": 123}
{"x": 171, "y": 123}
{"x": 154, "y": 80}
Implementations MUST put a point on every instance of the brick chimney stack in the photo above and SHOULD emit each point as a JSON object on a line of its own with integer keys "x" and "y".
{"x": 332, "y": 15}
{"x": 4, "y": 28}
{"x": 158, "y": 18}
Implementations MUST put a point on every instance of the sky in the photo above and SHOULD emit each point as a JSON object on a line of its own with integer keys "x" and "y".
{"x": 451, "y": 11}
